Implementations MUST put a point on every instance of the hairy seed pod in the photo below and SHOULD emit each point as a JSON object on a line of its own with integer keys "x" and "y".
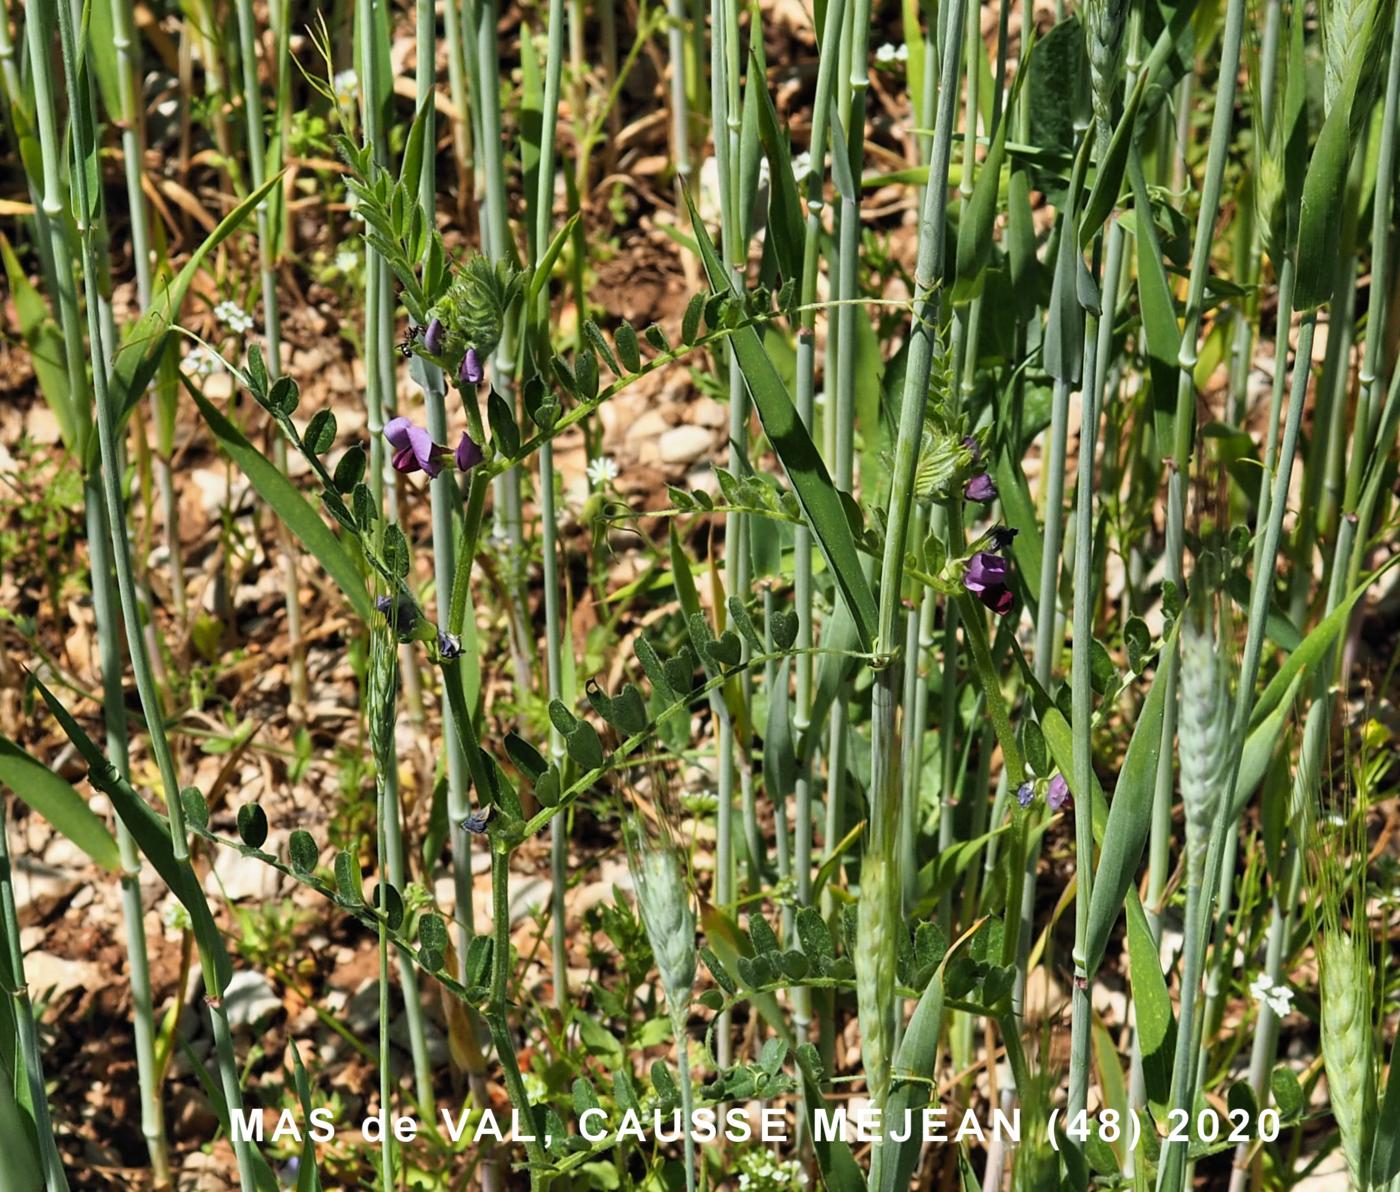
{"x": 1347, "y": 1042}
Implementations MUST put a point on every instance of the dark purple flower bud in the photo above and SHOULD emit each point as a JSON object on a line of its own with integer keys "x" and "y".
{"x": 1025, "y": 793}
{"x": 435, "y": 337}
{"x": 1001, "y": 537}
{"x": 1057, "y": 793}
{"x": 980, "y": 489}
{"x": 985, "y": 578}
{"x": 414, "y": 449}
{"x": 449, "y": 644}
{"x": 471, "y": 371}
{"x": 468, "y": 454}
{"x": 476, "y": 822}
{"x": 400, "y": 612}
{"x": 971, "y": 444}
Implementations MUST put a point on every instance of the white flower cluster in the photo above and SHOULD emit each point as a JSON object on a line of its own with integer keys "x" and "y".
{"x": 199, "y": 361}
{"x": 234, "y": 317}
{"x": 1279, "y": 998}
{"x": 346, "y": 260}
{"x": 764, "y": 1172}
{"x": 888, "y": 55}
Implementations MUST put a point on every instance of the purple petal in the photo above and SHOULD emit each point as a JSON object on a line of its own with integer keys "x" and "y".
{"x": 1025, "y": 793}
{"x": 984, "y": 570}
{"x": 396, "y": 430}
{"x": 981, "y": 488}
{"x": 468, "y": 454}
{"x": 425, "y": 451}
{"x": 1057, "y": 794}
{"x": 434, "y": 337}
{"x": 405, "y": 461}
{"x": 971, "y": 444}
{"x": 471, "y": 371}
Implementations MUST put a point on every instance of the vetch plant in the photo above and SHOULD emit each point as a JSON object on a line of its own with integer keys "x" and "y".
{"x": 960, "y": 514}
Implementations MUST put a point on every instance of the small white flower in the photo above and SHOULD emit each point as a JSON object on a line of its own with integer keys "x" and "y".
{"x": 1279, "y": 998}
{"x": 199, "y": 361}
{"x": 602, "y": 471}
{"x": 889, "y": 54}
{"x": 234, "y": 317}
{"x": 346, "y": 86}
{"x": 801, "y": 166}
{"x": 346, "y": 260}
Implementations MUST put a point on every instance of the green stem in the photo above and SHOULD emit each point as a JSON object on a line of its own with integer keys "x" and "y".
{"x": 878, "y": 907}
{"x": 27, "y": 1032}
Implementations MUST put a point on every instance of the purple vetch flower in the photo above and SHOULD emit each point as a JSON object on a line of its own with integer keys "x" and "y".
{"x": 1057, "y": 793}
{"x": 985, "y": 578}
{"x": 981, "y": 488}
{"x": 1025, "y": 793}
{"x": 414, "y": 449}
{"x": 434, "y": 337}
{"x": 449, "y": 644}
{"x": 468, "y": 454}
{"x": 971, "y": 444}
{"x": 471, "y": 371}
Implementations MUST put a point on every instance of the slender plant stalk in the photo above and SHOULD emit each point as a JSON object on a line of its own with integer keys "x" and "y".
{"x": 878, "y": 908}
{"x": 257, "y": 153}
{"x": 445, "y": 495}
{"x": 378, "y": 392}
{"x": 1286, "y": 887}
{"x": 499, "y": 248}
{"x": 107, "y": 614}
{"x": 1200, "y": 910}
{"x": 83, "y": 204}
{"x": 803, "y": 807}
{"x": 380, "y": 700}
{"x": 104, "y": 599}
{"x": 549, "y": 537}
{"x": 129, "y": 120}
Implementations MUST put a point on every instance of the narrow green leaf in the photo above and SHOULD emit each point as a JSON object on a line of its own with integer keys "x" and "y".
{"x": 976, "y": 226}
{"x": 152, "y": 835}
{"x": 1129, "y": 820}
{"x": 54, "y": 799}
{"x": 143, "y": 346}
{"x": 818, "y": 495}
{"x": 290, "y": 506}
{"x": 1152, "y": 1004}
